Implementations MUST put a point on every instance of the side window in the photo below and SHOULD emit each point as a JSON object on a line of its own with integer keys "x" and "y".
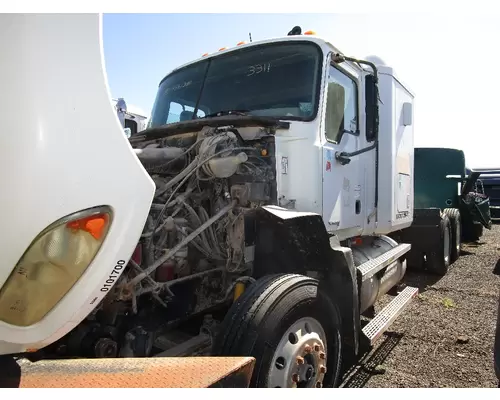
{"x": 132, "y": 125}
{"x": 178, "y": 112}
{"x": 341, "y": 105}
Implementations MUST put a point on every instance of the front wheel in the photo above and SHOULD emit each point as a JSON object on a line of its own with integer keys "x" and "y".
{"x": 290, "y": 328}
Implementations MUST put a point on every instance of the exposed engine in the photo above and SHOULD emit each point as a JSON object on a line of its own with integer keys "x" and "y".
{"x": 192, "y": 251}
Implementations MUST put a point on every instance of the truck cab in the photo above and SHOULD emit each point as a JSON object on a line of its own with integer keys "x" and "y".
{"x": 132, "y": 118}
{"x": 251, "y": 217}
{"x": 336, "y": 152}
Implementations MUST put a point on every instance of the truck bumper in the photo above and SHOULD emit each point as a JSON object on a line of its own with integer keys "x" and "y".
{"x": 158, "y": 372}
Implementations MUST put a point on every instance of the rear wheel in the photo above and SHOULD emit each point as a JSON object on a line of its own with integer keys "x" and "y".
{"x": 290, "y": 328}
{"x": 456, "y": 232}
{"x": 438, "y": 260}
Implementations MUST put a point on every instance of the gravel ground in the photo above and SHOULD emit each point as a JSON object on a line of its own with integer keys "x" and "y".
{"x": 445, "y": 337}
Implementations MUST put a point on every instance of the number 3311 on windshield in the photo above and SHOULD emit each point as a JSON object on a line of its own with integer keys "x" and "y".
{"x": 258, "y": 68}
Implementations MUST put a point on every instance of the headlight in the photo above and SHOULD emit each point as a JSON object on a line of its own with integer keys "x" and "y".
{"x": 54, "y": 261}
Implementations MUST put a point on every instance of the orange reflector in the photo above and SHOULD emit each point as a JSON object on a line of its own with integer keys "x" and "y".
{"x": 222, "y": 48}
{"x": 358, "y": 241}
{"x": 240, "y": 43}
{"x": 310, "y": 33}
{"x": 94, "y": 225}
{"x": 204, "y": 55}
{"x": 263, "y": 152}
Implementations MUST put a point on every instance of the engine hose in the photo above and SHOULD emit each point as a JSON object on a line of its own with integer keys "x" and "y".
{"x": 200, "y": 164}
{"x": 207, "y": 149}
{"x": 195, "y": 242}
{"x": 183, "y": 243}
{"x": 167, "y": 285}
{"x": 199, "y": 222}
{"x": 162, "y": 166}
{"x": 179, "y": 221}
{"x": 204, "y": 217}
{"x": 185, "y": 172}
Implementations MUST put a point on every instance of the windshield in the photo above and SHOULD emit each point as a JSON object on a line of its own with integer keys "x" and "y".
{"x": 276, "y": 80}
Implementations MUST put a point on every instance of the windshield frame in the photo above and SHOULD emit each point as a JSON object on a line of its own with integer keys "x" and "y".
{"x": 209, "y": 59}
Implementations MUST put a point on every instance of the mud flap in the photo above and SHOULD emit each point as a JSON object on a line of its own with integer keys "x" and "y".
{"x": 290, "y": 241}
{"x": 423, "y": 235}
{"x": 168, "y": 372}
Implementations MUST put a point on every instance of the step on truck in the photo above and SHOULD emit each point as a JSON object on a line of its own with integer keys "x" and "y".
{"x": 250, "y": 229}
{"x": 449, "y": 209}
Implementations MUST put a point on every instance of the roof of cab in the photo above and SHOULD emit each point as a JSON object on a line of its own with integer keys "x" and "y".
{"x": 301, "y": 38}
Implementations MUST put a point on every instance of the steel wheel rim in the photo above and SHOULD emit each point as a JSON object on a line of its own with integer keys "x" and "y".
{"x": 300, "y": 357}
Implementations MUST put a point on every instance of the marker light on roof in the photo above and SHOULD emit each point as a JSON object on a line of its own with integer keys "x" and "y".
{"x": 310, "y": 33}
{"x": 204, "y": 55}
{"x": 222, "y": 48}
{"x": 240, "y": 43}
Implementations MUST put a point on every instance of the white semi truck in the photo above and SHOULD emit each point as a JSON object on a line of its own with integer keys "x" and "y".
{"x": 132, "y": 118}
{"x": 254, "y": 224}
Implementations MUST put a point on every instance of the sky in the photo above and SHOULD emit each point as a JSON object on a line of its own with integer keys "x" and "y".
{"x": 445, "y": 60}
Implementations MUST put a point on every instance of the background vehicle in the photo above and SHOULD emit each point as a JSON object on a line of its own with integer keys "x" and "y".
{"x": 448, "y": 209}
{"x": 490, "y": 183}
{"x": 131, "y": 117}
{"x": 257, "y": 224}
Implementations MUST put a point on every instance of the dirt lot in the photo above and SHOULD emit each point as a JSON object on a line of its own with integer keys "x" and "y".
{"x": 445, "y": 338}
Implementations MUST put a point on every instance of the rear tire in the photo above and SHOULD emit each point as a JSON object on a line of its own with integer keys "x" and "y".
{"x": 438, "y": 260}
{"x": 274, "y": 321}
{"x": 456, "y": 232}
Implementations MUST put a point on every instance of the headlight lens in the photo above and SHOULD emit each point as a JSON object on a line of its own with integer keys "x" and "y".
{"x": 54, "y": 261}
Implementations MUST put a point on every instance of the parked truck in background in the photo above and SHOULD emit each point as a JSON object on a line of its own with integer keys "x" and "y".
{"x": 489, "y": 181}
{"x": 132, "y": 118}
{"x": 448, "y": 209}
{"x": 256, "y": 225}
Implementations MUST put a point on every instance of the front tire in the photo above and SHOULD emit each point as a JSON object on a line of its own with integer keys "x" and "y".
{"x": 289, "y": 327}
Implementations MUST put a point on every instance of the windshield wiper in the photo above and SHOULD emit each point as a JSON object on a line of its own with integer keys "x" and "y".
{"x": 227, "y": 112}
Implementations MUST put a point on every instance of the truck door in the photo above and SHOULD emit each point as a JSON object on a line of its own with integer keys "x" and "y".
{"x": 342, "y": 189}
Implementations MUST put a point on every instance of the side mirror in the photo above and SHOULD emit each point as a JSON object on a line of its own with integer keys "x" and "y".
{"x": 121, "y": 109}
{"x": 371, "y": 108}
{"x": 128, "y": 132}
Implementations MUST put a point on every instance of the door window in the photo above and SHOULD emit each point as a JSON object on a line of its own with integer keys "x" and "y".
{"x": 341, "y": 106}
